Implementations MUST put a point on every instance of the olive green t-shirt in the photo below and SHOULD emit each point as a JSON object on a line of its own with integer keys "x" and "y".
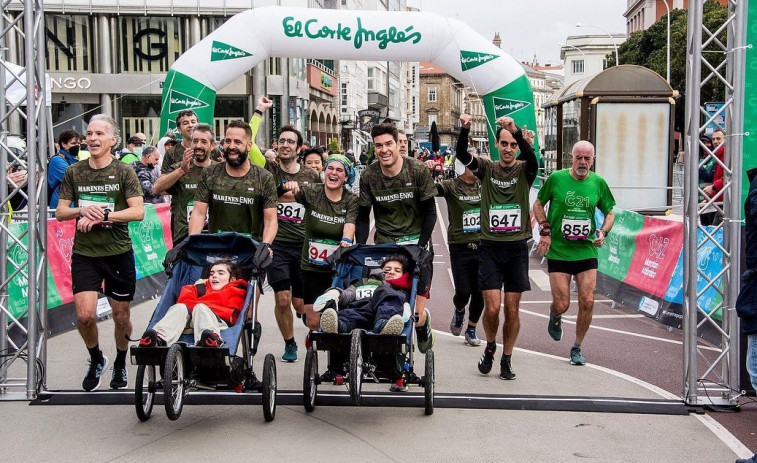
{"x": 571, "y": 213}
{"x": 291, "y": 215}
{"x": 236, "y": 203}
{"x": 504, "y": 201}
{"x": 111, "y": 185}
{"x": 397, "y": 200}
{"x": 324, "y": 224}
{"x": 172, "y": 156}
{"x": 183, "y": 199}
{"x": 463, "y": 210}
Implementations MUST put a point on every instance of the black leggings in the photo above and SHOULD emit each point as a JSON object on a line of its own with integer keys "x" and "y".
{"x": 464, "y": 263}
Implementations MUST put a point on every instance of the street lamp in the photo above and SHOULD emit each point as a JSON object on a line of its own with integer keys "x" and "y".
{"x": 667, "y": 7}
{"x": 571, "y": 46}
{"x": 612, "y": 39}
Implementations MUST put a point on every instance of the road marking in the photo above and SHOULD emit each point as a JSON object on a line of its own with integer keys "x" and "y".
{"x": 449, "y": 271}
{"x": 440, "y": 220}
{"x": 721, "y": 432}
{"x": 541, "y": 278}
{"x": 637, "y": 315}
{"x": 611, "y": 330}
{"x": 550, "y": 301}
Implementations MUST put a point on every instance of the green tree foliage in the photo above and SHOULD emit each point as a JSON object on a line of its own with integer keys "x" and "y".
{"x": 334, "y": 145}
{"x": 649, "y": 49}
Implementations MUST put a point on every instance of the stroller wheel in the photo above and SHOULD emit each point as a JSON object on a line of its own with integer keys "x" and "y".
{"x": 428, "y": 383}
{"x": 356, "y": 366}
{"x": 144, "y": 391}
{"x": 310, "y": 380}
{"x": 269, "y": 387}
{"x": 174, "y": 387}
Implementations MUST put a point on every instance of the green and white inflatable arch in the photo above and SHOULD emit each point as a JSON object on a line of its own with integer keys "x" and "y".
{"x": 249, "y": 37}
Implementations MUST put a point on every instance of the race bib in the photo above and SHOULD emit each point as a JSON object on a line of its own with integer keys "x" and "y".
{"x": 292, "y": 212}
{"x": 472, "y": 221}
{"x": 504, "y": 218}
{"x": 408, "y": 239}
{"x": 575, "y": 228}
{"x": 89, "y": 200}
{"x": 365, "y": 291}
{"x": 320, "y": 250}
{"x": 190, "y": 208}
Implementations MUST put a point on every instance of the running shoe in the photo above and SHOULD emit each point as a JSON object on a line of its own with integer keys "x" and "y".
{"x": 118, "y": 377}
{"x": 151, "y": 339}
{"x": 94, "y": 372}
{"x": 506, "y": 369}
{"x": 425, "y": 335}
{"x": 576, "y": 358}
{"x": 394, "y": 325}
{"x": 210, "y": 338}
{"x": 456, "y": 325}
{"x": 329, "y": 321}
{"x": 399, "y": 386}
{"x": 471, "y": 339}
{"x": 487, "y": 360}
{"x": 290, "y": 353}
{"x": 555, "y": 327}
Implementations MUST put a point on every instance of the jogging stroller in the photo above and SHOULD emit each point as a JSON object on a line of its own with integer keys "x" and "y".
{"x": 362, "y": 355}
{"x": 183, "y": 366}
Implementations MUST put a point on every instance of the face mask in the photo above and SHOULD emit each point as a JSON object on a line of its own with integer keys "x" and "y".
{"x": 74, "y": 150}
{"x": 138, "y": 151}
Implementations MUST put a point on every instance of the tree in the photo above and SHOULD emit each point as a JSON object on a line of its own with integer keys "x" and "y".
{"x": 648, "y": 48}
{"x": 334, "y": 145}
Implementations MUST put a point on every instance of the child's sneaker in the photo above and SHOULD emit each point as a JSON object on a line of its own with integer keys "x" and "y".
{"x": 210, "y": 339}
{"x": 151, "y": 339}
{"x": 392, "y": 326}
{"x": 329, "y": 321}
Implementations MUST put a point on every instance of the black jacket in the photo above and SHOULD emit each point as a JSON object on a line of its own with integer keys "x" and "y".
{"x": 746, "y": 304}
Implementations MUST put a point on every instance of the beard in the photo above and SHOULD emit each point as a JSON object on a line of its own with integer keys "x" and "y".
{"x": 241, "y": 157}
{"x": 200, "y": 155}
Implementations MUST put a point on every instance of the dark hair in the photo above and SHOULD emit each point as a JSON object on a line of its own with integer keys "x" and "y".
{"x": 184, "y": 113}
{"x": 240, "y": 124}
{"x": 383, "y": 129}
{"x": 148, "y": 151}
{"x": 499, "y": 130}
{"x": 68, "y": 135}
{"x": 235, "y": 271}
{"x": 289, "y": 128}
{"x": 309, "y": 151}
{"x": 396, "y": 258}
{"x": 205, "y": 128}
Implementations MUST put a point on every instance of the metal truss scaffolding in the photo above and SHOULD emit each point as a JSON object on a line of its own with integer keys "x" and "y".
{"x": 23, "y": 114}
{"x": 713, "y": 379}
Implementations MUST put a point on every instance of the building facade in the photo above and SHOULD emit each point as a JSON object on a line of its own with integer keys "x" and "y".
{"x": 640, "y": 14}
{"x": 586, "y": 55}
{"x": 441, "y": 101}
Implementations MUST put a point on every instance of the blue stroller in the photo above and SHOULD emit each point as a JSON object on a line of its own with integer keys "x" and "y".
{"x": 183, "y": 366}
{"x": 361, "y": 355}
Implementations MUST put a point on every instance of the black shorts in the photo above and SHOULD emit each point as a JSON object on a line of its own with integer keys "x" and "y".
{"x": 285, "y": 272}
{"x": 114, "y": 276}
{"x": 571, "y": 267}
{"x": 314, "y": 284}
{"x": 504, "y": 264}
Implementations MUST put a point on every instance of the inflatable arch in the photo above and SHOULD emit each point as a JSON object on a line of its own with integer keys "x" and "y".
{"x": 252, "y": 36}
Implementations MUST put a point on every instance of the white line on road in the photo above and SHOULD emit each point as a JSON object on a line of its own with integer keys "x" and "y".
{"x": 440, "y": 220}
{"x": 541, "y": 278}
{"x": 630, "y": 315}
{"x": 550, "y": 301}
{"x": 628, "y": 333}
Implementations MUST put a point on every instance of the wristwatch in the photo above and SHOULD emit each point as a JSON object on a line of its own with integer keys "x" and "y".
{"x": 105, "y": 215}
{"x": 545, "y": 229}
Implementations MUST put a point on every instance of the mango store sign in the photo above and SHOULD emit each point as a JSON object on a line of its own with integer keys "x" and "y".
{"x": 358, "y": 35}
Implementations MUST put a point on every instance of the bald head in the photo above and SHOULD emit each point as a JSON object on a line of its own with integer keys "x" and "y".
{"x": 583, "y": 146}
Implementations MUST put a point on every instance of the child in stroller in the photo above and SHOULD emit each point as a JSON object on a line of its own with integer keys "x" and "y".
{"x": 376, "y": 303}
{"x": 207, "y": 307}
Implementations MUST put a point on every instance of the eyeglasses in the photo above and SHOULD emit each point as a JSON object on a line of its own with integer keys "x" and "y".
{"x": 287, "y": 141}
{"x": 513, "y": 145}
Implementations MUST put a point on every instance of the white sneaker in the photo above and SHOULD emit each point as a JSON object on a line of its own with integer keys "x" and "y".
{"x": 329, "y": 321}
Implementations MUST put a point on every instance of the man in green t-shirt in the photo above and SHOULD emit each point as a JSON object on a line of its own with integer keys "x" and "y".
{"x": 185, "y": 121}
{"x": 108, "y": 197}
{"x": 401, "y": 193}
{"x": 505, "y": 230}
{"x": 182, "y": 180}
{"x": 569, "y": 237}
{"x": 236, "y": 195}
{"x": 285, "y": 271}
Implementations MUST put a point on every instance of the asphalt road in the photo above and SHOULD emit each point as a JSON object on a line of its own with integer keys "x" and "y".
{"x": 620, "y": 339}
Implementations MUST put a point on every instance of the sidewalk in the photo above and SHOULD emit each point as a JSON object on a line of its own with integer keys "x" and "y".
{"x": 113, "y": 433}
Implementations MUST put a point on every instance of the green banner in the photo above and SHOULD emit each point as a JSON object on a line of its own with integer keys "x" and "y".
{"x": 181, "y": 92}
{"x": 749, "y": 153}
{"x": 148, "y": 243}
{"x": 616, "y": 255}
{"x": 514, "y": 100}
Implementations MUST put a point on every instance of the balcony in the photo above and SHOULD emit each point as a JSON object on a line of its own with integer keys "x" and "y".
{"x": 377, "y": 100}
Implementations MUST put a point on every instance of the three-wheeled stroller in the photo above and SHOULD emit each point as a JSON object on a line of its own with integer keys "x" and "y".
{"x": 184, "y": 366}
{"x": 365, "y": 356}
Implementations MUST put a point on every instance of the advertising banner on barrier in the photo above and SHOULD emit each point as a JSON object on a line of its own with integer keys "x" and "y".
{"x": 151, "y": 239}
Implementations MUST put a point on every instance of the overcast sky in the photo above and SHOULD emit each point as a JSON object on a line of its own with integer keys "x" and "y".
{"x": 532, "y": 26}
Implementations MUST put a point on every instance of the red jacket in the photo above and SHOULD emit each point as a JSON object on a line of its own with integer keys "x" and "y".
{"x": 717, "y": 180}
{"x": 405, "y": 282}
{"x": 226, "y": 302}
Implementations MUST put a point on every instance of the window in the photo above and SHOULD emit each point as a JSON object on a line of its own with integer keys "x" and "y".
{"x": 431, "y": 119}
{"x": 414, "y": 105}
{"x": 69, "y": 43}
{"x": 274, "y": 66}
{"x": 148, "y": 45}
{"x": 432, "y": 93}
{"x": 344, "y": 95}
{"x": 577, "y": 66}
{"x": 371, "y": 79}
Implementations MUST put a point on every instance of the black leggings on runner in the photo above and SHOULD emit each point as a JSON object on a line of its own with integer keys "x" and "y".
{"x": 464, "y": 261}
